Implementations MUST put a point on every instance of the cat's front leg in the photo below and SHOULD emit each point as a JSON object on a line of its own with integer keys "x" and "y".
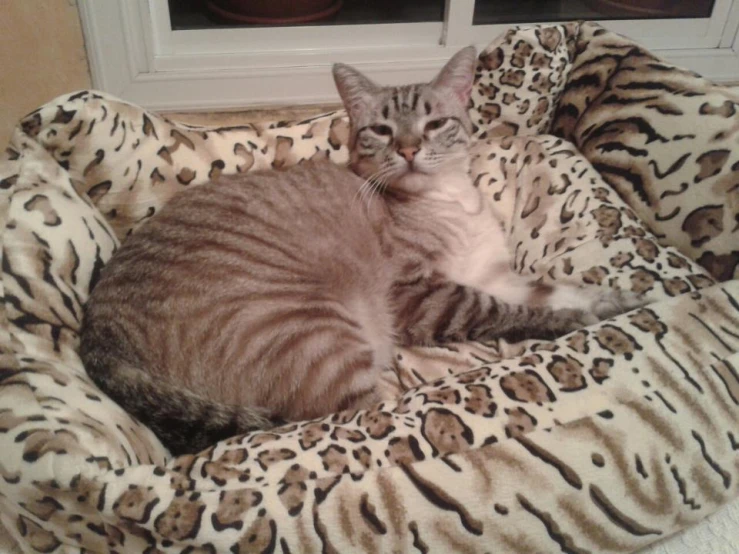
{"x": 600, "y": 302}
{"x": 433, "y": 310}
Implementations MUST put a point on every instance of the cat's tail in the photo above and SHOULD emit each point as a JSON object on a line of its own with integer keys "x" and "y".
{"x": 184, "y": 421}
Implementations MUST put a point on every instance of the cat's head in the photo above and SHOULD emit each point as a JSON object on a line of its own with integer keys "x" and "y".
{"x": 401, "y": 135}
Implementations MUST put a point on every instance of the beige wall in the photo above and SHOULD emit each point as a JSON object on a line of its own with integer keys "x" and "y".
{"x": 42, "y": 55}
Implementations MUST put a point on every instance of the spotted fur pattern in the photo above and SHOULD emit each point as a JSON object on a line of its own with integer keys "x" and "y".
{"x": 605, "y": 440}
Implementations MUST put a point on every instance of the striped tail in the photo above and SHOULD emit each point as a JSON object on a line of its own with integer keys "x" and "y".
{"x": 184, "y": 421}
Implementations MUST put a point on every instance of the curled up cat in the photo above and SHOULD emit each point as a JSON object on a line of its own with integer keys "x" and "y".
{"x": 280, "y": 295}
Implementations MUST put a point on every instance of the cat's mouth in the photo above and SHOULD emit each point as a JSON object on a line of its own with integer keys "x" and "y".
{"x": 396, "y": 175}
{"x": 411, "y": 176}
{"x": 413, "y": 168}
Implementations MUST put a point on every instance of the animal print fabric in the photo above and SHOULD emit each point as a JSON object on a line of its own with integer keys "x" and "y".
{"x": 602, "y": 441}
{"x": 661, "y": 136}
{"x": 520, "y": 78}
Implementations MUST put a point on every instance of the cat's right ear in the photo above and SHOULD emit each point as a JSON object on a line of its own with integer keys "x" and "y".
{"x": 458, "y": 75}
{"x": 356, "y": 90}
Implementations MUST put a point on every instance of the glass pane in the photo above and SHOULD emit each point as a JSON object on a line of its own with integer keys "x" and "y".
{"x": 532, "y": 11}
{"x": 208, "y": 14}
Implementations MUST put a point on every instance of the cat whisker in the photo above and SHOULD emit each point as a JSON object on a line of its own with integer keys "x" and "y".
{"x": 366, "y": 190}
{"x": 437, "y": 160}
{"x": 366, "y": 195}
{"x": 378, "y": 183}
{"x": 361, "y": 191}
{"x": 449, "y": 156}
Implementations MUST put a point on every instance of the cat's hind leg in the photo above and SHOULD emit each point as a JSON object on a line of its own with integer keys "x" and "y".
{"x": 348, "y": 360}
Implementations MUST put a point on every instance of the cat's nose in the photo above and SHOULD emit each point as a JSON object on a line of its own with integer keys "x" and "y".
{"x": 408, "y": 152}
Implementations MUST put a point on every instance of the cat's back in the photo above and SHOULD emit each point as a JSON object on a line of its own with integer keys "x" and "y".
{"x": 304, "y": 190}
{"x": 310, "y": 194}
{"x": 309, "y": 215}
{"x": 302, "y": 229}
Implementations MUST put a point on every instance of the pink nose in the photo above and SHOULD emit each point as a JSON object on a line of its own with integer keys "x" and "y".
{"x": 408, "y": 152}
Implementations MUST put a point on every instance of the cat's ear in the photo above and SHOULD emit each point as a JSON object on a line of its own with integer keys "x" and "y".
{"x": 458, "y": 74}
{"x": 356, "y": 90}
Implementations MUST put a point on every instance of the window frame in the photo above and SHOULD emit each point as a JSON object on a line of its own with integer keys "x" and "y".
{"x": 136, "y": 55}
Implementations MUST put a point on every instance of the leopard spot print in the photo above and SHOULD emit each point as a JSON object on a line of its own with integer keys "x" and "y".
{"x": 604, "y": 166}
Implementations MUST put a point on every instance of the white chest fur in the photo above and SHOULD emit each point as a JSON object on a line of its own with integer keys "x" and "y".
{"x": 478, "y": 252}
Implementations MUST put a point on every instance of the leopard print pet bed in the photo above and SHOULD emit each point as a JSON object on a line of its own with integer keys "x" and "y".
{"x": 607, "y": 166}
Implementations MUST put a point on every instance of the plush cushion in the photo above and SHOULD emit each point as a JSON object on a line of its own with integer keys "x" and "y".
{"x": 664, "y": 138}
{"x": 602, "y": 441}
{"x": 521, "y": 76}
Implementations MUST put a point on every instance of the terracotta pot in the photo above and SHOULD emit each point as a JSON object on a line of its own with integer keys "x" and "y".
{"x": 635, "y": 7}
{"x": 273, "y": 12}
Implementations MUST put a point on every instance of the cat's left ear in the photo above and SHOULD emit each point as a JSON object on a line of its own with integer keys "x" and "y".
{"x": 458, "y": 74}
{"x": 356, "y": 90}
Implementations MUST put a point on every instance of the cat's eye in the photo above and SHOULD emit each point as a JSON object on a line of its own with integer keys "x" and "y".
{"x": 382, "y": 130}
{"x": 435, "y": 124}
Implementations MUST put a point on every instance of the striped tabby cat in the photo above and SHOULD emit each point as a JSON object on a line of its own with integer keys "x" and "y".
{"x": 281, "y": 294}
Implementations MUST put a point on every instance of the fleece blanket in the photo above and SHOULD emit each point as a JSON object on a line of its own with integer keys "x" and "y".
{"x": 606, "y": 166}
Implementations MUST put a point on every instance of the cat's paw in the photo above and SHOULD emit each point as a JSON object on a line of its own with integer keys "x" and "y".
{"x": 612, "y": 302}
{"x": 567, "y": 320}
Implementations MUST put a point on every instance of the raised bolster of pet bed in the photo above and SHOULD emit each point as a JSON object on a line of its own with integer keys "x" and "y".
{"x": 605, "y": 440}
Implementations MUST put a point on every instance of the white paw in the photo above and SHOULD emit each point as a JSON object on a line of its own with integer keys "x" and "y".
{"x": 612, "y": 302}
{"x": 587, "y": 319}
